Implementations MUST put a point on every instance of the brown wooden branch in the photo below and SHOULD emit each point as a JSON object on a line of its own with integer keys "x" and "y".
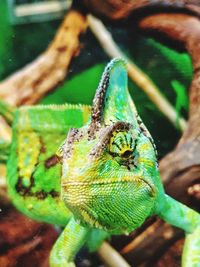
{"x": 172, "y": 257}
{"x": 181, "y": 166}
{"x": 159, "y": 235}
{"x": 10, "y": 259}
{"x": 119, "y": 9}
{"x": 29, "y": 245}
{"x": 180, "y": 169}
{"x": 32, "y": 82}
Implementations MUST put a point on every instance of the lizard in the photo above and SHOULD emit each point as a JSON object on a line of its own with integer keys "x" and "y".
{"x": 92, "y": 170}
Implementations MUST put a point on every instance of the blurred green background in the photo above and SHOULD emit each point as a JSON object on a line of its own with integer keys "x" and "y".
{"x": 170, "y": 70}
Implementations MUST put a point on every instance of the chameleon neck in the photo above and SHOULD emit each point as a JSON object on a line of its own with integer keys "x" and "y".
{"x": 178, "y": 214}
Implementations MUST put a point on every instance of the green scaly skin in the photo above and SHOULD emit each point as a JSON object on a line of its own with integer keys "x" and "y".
{"x": 104, "y": 175}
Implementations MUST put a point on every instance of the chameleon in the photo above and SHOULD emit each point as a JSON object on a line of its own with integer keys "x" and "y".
{"x": 93, "y": 171}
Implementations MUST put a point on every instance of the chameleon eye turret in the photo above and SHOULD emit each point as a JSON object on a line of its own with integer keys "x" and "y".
{"x": 122, "y": 144}
{"x": 122, "y": 147}
{"x": 103, "y": 178}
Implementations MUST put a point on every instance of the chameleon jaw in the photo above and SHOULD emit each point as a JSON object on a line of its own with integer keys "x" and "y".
{"x": 80, "y": 198}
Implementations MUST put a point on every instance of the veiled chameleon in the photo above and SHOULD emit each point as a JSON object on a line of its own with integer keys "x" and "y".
{"x": 104, "y": 175}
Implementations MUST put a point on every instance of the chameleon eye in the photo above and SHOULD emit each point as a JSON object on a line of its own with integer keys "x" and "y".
{"x": 127, "y": 153}
{"x": 122, "y": 144}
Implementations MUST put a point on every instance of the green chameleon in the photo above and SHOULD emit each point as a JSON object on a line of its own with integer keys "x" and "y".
{"x": 93, "y": 171}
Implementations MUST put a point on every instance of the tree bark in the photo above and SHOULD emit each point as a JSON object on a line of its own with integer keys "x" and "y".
{"x": 119, "y": 9}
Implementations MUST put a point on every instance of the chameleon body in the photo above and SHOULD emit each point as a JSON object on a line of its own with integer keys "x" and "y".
{"x": 92, "y": 168}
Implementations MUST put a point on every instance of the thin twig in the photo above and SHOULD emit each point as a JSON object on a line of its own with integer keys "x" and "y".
{"x": 140, "y": 78}
{"x": 111, "y": 256}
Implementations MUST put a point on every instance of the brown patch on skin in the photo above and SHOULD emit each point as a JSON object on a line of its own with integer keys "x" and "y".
{"x": 23, "y": 190}
{"x": 42, "y": 194}
{"x": 54, "y": 193}
{"x": 74, "y": 135}
{"x": 42, "y": 146}
{"x": 26, "y": 191}
{"x": 52, "y": 161}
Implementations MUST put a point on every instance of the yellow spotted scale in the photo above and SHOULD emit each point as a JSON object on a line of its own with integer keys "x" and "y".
{"x": 92, "y": 170}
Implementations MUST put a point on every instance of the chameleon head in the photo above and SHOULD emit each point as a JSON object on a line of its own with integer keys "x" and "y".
{"x": 110, "y": 178}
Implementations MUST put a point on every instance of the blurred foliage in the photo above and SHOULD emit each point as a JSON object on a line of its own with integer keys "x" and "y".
{"x": 182, "y": 100}
{"x": 20, "y": 44}
{"x": 169, "y": 69}
{"x": 5, "y": 39}
{"x": 79, "y": 89}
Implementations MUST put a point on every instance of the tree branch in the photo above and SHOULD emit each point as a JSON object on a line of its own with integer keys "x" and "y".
{"x": 119, "y": 9}
{"x": 32, "y": 82}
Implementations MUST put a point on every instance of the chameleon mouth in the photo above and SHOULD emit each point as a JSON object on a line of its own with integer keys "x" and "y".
{"x": 137, "y": 179}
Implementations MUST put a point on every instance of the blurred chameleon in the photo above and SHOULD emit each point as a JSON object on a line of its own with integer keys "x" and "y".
{"x": 92, "y": 170}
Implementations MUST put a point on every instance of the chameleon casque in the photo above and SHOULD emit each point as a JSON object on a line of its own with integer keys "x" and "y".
{"x": 101, "y": 179}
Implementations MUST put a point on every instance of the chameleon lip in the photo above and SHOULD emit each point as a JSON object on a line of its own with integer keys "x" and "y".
{"x": 113, "y": 181}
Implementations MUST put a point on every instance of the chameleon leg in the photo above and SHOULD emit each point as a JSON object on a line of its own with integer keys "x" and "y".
{"x": 187, "y": 219}
{"x": 68, "y": 244}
